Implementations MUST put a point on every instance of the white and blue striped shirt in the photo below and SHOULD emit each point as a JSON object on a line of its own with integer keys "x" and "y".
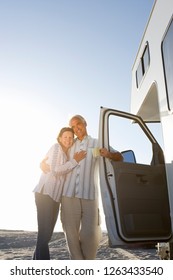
{"x": 80, "y": 181}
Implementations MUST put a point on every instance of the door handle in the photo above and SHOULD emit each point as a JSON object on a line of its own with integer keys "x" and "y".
{"x": 141, "y": 178}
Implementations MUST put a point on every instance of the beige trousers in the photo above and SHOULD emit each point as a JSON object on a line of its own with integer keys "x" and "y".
{"x": 81, "y": 224}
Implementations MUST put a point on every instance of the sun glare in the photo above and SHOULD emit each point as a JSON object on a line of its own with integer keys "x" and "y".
{"x": 26, "y": 135}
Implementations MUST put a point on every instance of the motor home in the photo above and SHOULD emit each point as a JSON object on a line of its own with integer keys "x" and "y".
{"x": 137, "y": 194}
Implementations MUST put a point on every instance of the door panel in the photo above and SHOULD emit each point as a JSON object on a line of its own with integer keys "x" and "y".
{"x": 142, "y": 201}
{"x": 134, "y": 195}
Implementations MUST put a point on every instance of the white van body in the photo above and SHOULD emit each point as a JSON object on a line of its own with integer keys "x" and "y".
{"x": 137, "y": 194}
{"x": 153, "y": 99}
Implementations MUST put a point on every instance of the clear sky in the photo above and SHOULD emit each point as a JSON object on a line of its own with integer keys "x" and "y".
{"x": 58, "y": 58}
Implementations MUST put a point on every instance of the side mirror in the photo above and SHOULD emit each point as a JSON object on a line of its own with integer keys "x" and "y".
{"x": 129, "y": 156}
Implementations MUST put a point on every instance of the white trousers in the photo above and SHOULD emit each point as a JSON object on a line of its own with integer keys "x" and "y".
{"x": 81, "y": 224}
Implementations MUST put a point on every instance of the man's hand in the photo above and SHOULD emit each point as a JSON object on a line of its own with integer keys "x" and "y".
{"x": 104, "y": 152}
{"x": 115, "y": 156}
{"x": 44, "y": 166}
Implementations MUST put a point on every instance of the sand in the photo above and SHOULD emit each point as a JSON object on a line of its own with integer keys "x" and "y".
{"x": 19, "y": 245}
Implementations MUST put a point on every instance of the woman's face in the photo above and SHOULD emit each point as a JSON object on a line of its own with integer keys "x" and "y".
{"x": 66, "y": 139}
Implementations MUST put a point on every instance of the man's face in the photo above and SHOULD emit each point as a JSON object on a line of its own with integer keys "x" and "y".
{"x": 79, "y": 128}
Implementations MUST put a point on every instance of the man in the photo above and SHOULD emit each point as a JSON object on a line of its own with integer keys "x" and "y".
{"x": 79, "y": 207}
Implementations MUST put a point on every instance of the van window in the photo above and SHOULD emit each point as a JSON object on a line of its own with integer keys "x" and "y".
{"x": 143, "y": 65}
{"x": 167, "y": 55}
{"x": 139, "y": 74}
{"x": 118, "y": 127}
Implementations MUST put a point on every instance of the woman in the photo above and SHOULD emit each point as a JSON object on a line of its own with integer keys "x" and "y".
{"x": 49, "y": 189}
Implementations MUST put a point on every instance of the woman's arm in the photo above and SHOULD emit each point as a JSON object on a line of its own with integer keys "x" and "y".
{"x": 63, "y": 168}
{"x": 70, "y": 164}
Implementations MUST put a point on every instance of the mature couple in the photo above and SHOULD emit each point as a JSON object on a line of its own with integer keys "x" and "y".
{"x": 68, "y": 179}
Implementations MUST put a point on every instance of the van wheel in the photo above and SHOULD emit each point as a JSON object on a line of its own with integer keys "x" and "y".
{"x": 171, "y": 250}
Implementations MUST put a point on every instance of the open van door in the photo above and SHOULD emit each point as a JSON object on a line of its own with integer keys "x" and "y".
{"x": 134, "y": 192}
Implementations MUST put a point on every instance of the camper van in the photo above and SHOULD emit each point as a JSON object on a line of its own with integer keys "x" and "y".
{"x": 137, "y": 194}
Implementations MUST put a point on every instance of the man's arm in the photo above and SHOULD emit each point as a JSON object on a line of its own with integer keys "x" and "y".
{"x": 115, "y": 156}
{"x": 44, "y": 166}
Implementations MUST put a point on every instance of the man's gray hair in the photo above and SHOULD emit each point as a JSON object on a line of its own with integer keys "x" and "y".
{"x": 79, "y": 117}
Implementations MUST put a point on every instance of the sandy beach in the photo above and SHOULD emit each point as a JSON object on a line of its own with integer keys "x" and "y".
{"x": 19, "y": 245}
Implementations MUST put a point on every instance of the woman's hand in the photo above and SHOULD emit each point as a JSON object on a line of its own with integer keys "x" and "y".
{"x": 80, "y": 155}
